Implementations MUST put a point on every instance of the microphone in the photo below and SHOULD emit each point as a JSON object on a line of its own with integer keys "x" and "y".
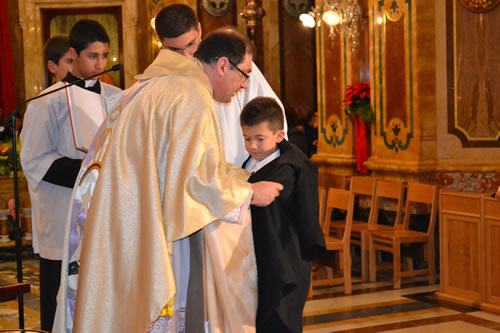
{"x": 13, "y": 114}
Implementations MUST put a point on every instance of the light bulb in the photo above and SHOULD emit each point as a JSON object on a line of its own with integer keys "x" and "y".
{"x": 379, "y": 20}
{"x": 153, "y": 23}
{"x": 331, "y": 18}
{"x": 307, "y": 20}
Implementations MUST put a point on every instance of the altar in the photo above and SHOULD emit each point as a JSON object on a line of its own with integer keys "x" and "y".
{"x": 469, "y": 244}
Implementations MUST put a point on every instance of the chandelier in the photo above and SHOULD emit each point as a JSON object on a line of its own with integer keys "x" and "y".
{"x": 341, "y": 16}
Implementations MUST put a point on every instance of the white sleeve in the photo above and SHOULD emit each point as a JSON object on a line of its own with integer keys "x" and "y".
{"x": 39, "y": 139}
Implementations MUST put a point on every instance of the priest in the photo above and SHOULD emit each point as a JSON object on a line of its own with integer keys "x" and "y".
{"x": 165, "y": 191}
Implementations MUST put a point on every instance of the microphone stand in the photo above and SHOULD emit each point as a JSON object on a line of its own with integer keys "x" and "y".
{"x": 11, "y": 120}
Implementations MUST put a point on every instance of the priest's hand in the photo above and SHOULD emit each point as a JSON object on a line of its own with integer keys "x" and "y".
{"x": 265, "y": 192}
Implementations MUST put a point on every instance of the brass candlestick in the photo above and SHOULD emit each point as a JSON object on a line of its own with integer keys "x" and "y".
{"x": 251, "y": 13}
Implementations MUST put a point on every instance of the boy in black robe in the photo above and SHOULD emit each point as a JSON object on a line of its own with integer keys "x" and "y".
{"x": 287, "y": 234}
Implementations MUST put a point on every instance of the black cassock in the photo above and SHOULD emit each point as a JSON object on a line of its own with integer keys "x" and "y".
{"x": 288, "y": 238}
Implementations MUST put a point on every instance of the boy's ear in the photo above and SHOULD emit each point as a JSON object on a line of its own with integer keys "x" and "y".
{"x": 52, "y": 67}
{"x": 73, "y": 53}
{"x": 281, "y": 136}
{"x": 199, "y": 30}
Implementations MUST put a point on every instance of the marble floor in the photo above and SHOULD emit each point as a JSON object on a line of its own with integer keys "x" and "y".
{"x": 372, "y": 307}
{"x": 378, "y": 307}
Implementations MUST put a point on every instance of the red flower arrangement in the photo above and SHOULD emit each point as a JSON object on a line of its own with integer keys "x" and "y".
{"x": 357, "y": 101}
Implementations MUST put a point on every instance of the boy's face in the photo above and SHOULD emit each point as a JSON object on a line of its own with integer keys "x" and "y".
{"x": 260, "y": 141}
{"x": 60, "y": 69}
{"x": 186, "y": 44}
{"x": 91, "y": 60}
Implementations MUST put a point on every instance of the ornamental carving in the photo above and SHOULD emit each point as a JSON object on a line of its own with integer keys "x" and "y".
{"x": 217, "y": 7}
{"x": 296, "y": 7}
{"x": 480, "y": 6}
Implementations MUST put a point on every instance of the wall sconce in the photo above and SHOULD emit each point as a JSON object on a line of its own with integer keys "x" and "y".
{"x": 341, "y": 16}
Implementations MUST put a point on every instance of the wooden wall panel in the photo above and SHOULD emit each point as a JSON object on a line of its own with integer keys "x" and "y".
{"x": 298, "y": 64}
{"x": 17, "y": 49}
{"x": 491, "y": 220}
{"x": 209, "y": 22}
{"x": 473, "y": 75}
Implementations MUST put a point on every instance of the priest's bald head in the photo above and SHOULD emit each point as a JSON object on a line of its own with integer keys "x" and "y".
{"x": 226, "y": 56}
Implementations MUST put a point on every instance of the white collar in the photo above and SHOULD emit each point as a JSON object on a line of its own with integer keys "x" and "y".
{"x": 90, "y": 83}
{"x": 253, "y": 165}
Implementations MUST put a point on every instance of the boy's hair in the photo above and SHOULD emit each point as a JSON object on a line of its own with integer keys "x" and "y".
{"x": 223, "y": 42}
{"x": 86, "y": 32}
{"x": 175, "y": 20}
{"x": 55, "y": 48}
{"x": 262, "y": 109}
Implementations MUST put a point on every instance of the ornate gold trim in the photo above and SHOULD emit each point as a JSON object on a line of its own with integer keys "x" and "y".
{"x": 479, "y": 6}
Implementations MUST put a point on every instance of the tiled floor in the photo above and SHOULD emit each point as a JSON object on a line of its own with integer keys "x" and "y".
{"x": 373, "y": 307}
{"x": 377, "y": 307}
{"x": 8, "y": 310}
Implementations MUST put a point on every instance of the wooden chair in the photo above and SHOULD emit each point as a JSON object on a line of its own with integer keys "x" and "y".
{"x": 390, "y": 241}
{"x": 384, "y": 190}
{"x": 326, "y": 181}
{"x": 9, "y": 293}
{"x": 338, "y": 199}
{"x": 360, "y": 186}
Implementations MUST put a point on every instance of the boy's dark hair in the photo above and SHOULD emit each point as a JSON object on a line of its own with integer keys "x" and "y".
{"x": 262, "y": 109}
{"x": 86, "y": 32}
{"x": 223, "y": 42}
{"x": 175, "y": 20}
{"x": 55, "y": 48}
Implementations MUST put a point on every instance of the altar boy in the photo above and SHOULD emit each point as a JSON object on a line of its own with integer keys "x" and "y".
{"x": 50, "y": 159}
{"x": 287, "y": 234}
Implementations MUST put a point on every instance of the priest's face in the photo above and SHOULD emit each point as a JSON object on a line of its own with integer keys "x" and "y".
{"x": 186, "y": 44}
{"x": 90, "y": 61}
{"x": 232, "y": 78}
{"x": 260, "y": 140}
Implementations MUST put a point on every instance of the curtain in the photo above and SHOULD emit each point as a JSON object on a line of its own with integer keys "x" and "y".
{"x": 8, "y": 97}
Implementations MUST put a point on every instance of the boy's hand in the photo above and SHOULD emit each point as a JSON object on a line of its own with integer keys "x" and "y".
{"x": 265, "y": 192}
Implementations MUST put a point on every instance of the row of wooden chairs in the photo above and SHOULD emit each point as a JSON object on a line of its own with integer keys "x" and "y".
{"x": 370, "y": 235}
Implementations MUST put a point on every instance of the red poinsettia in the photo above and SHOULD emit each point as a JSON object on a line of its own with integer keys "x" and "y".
{"x": 357, "y": 101}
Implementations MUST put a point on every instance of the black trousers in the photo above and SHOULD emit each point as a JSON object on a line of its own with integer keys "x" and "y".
{"x": 50, "y": 278}
{"x": 274, "y": 325}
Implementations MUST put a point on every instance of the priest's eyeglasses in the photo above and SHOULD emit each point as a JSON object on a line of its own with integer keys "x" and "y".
{"x": 245, "y": 75}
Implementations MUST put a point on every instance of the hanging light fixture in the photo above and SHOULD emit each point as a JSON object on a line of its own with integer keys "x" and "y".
{"x": 341, "y": 16}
